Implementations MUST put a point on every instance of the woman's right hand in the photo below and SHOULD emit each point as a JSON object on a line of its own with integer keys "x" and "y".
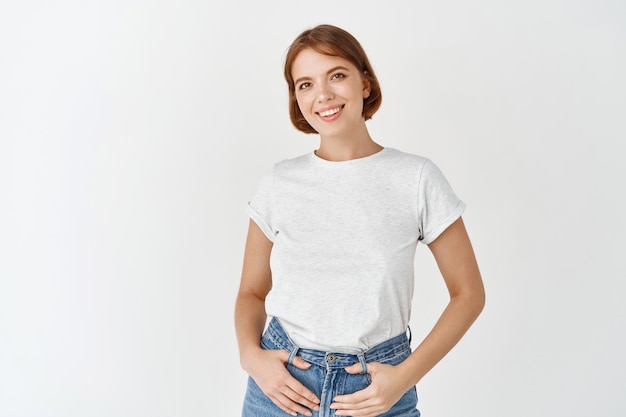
{"x": 268, "y": 369}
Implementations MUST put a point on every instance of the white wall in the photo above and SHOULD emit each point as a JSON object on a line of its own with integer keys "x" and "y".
{"x": 132, "y": 134}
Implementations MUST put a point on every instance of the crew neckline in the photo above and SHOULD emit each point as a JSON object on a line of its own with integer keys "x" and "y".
{"x": 362, "y": 159}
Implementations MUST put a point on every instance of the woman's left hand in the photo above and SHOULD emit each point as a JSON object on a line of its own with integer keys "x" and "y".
{"x": 384, "y": 391}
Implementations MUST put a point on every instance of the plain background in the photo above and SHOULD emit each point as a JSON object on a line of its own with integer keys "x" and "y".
{"x": 133, "y": 133}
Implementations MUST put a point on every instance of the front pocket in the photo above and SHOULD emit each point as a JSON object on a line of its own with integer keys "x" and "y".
{"x": 353, "y": 383}
{"x": 396, "y": 359}
{"x": 268, "y": 343}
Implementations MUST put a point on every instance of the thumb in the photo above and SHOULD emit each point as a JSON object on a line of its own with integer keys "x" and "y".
{"x": 354, "y": 369}
{"x": 298, "y": 362}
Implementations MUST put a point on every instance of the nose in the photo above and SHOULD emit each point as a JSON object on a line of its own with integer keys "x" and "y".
{"x": 324, "y": 94}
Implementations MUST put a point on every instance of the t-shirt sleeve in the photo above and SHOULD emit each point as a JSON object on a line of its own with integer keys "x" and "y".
{"x": 438, "y": 205}
{"x": 260, "y": 208}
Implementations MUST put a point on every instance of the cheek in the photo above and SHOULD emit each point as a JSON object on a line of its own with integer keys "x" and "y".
{"x": 304, "y": 107}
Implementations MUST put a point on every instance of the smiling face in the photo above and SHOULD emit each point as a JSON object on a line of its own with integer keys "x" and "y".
{"x": 330, "y": 91}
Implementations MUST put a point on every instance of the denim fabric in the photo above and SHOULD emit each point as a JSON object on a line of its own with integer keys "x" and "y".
{"x": 327, "y": 377}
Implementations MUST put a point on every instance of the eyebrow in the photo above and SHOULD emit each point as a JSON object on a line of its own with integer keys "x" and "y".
{"x": 338, "y": 67}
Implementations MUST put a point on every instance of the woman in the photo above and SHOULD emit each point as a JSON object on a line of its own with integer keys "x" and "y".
{"x": 330, "y": 253}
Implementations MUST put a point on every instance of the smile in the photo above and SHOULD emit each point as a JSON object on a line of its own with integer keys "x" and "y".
{"x": 330, "y": 112}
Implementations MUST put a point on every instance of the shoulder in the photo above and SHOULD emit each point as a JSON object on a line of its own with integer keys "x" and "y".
{"x": 402, "y": 159}
{"x": 421, "y": 168}
{"x": 294, "y": 163}
{"x": 288, "y": 169}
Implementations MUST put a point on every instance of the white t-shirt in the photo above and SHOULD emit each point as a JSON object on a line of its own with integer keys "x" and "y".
{"x": 344, "y": 237}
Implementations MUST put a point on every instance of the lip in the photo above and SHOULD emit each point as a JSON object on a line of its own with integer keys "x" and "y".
{"x": 333, "y": 116}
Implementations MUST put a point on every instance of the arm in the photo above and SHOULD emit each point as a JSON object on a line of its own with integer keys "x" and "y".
{"x": 256, "y": 282}
{"x": 267, "y": 368}
{"x": 456, "y": 261}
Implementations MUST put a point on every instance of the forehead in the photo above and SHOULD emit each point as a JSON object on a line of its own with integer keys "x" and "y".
{"x": 309, "y": 63}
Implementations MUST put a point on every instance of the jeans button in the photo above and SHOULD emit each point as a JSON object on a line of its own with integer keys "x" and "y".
{"x": 331, "y": 358}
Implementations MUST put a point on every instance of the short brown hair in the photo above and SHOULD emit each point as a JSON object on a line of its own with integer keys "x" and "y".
{"x": 333, "y": 41}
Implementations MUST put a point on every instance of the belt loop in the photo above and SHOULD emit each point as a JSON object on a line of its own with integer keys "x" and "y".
{"x": 410, "y": 334}
{"x": 361, "y": 357}
{"x": 292, "y": 355}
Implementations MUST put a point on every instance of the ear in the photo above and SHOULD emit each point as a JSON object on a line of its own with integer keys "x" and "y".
{"x": 367, "y": 86}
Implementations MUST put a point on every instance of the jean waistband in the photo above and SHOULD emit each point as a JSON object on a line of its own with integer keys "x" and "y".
{"x": 378, "y": 353}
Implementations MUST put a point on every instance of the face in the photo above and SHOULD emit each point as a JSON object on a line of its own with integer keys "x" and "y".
{"x": 330, "y": 92}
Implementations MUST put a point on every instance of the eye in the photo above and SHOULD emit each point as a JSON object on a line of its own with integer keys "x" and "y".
{"x": 338, "y": 76}
{"x": 304, "y": 86}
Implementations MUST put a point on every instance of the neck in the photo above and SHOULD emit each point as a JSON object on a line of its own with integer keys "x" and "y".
{"x": 345, "y": 148}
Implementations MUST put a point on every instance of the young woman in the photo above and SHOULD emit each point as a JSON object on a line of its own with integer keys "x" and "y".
{"x": 330, "y": 251}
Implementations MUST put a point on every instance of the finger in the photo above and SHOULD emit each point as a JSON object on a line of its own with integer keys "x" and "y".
{"x": 294, "y": 401}
{"x": 366, "y": 407}
{"x": 289, "y": 406}
{"x": 362, "y": 412}
{"x": 283, "y": 354}
{"x": 298, "y": 362}
{"x": 301, "y": 394}
{"x": 290, "y": 401}
{"x": 293, "y": 396}
{"x": 354, "y": 369}
{"x": 348, "y": 400}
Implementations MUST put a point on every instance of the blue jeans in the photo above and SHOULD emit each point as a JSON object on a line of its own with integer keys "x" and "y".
{"x": 326, "y": 377}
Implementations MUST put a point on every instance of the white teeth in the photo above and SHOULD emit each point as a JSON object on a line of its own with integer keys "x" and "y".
{"x": 330, "y": 112}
